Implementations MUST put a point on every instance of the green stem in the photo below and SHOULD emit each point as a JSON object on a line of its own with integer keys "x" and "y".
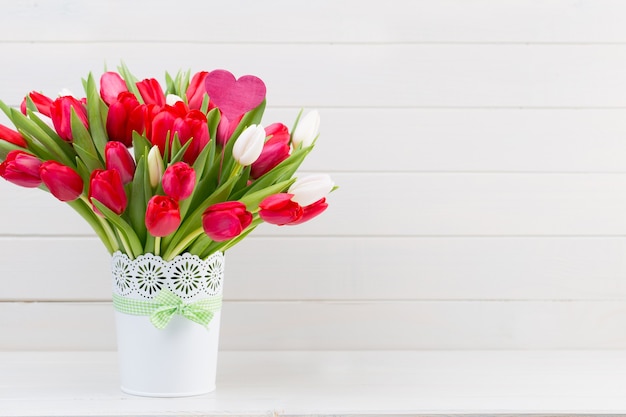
{"x": 82, "y": 208}
{"x": 171, "y": 253}
{"x": 157, "y": 246}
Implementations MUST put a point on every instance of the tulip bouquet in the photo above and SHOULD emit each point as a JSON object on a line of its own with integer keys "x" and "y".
{"x": 183, "y": 169}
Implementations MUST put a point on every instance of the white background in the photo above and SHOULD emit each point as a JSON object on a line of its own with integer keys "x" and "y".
{"x": 480, "y": 147}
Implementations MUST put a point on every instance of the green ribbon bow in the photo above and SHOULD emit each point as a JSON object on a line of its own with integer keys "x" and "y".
{"x": 163, "y": 307}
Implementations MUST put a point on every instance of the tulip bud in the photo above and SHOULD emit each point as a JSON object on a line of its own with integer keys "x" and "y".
{"x": 162, "y": 216}
{"x": 179, "y": 180}
{"x": 21, "y": 168}
{"x": 310, "y": 189}
{"x": 11, "y": 136}
{"x": 117, "y": 157}
{"x": 111, "y": 85}
{"x": 279, "y": 209}
{"x": 155, "y": 166}
{"x": 106, "y": 187}
{"x": 41, "y": 102}
{"x": 196, "y": 90}
{"x": 307, "y": 129}
{"x": 61, "y": 111}
{"x": 249, "y": 145}
{"x": 63, "y": 182}
{"x": 225, "y": 221}
{"x": 151, "y": 92}
{"x": 122, "y": 119}
{"x": 275, "y": 150}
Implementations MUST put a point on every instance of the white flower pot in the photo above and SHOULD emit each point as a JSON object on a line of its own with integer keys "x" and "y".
{"x": 179, "y": 359}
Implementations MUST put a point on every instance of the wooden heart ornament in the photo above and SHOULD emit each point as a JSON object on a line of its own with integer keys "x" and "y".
{"x": 234, "y": 97}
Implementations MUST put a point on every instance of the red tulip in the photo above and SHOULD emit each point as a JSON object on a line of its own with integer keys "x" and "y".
{"x": 43, "y": 103}
{"x": 188, "y": 125}
{"x": 62, "y": 181}
{"x": 61, "y": 111}
{"x": 279, "y": 209}
{"x": 21, "y": 168}
{"x": 111, "y": 85}
{"x": 122, "y": 119}
{"x": 117, "y": 157}
{"x": 310, "y": 211}
{"x": 225, "y": 221}
{"x": 12, "y": 136}
{"x": 106, "y": 186}
{"x": 162, "y": 216}
{"x": 151, "y": 92}
{"x": 275, "y": 150}
{"x": 179, "y": 180}
{"x": 196, "y": 90}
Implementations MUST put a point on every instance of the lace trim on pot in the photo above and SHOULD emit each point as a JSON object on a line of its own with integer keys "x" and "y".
{"x": 187, "y": 276}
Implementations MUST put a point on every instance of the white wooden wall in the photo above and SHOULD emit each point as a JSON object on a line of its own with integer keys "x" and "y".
{"x": 480, "y": 147}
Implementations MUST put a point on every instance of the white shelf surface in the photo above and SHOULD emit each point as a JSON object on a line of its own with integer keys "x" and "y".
{"x": 307, "y": 383}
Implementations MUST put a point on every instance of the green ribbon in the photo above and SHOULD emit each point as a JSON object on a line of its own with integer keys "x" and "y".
{"x": 165, "y": 304}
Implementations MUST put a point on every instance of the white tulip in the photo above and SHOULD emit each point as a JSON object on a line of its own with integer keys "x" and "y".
{"x": 172, "y": 99}
{"x": 309, "y": 189}
{"x": 249, "y": 145}
{"x": 65, "y": 92}
{"x": 307, "y": 129}
{"x": 155, "y": 166}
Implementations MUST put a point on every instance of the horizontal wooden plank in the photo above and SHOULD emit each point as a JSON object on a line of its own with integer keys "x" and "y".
{"x": 328, "y": 21}
{"x": 398, "y": 75}
{"x": 462, "y": 140}
{"x": 343, "y": 325}
{"x": 405, "y": 204}
{"x": 331, "y": 383}
{"x": 347, "y": 269}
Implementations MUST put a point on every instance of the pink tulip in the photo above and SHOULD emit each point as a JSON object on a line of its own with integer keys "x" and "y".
{"x": 311, "y": 211}
{"x": 62, "y": 181}
{"x": 225, "y": 221}
{"x": 61, "y": 111}
{"x": 42, "y": 103}
{"x": 21, "y": 168}
{"x": 279, "y": 209}
{"x": 151, "y": 92}
{"x": 106, "y": 186}
{"x": 122, "y": 119}
{"x": 118, "y": 158}
{"x": 196, "y": 90}
{"x": 162, "y": 216}
{"x": 275, "y": 150}
{"x": 111, "y": 85}
{"x": 179, "y": 181}
{"x": 226, "y": 128}
{"x": 11, "y": 136}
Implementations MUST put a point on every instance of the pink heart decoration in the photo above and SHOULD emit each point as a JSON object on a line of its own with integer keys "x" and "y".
{"x": 234, "y": 97}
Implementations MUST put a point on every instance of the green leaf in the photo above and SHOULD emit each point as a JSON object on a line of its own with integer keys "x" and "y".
{"x": 131, "y": 81}
{"x": 96, "y": 108}
{"x": 6, "y": 147}
{"x": 122, "y": 227}
{"x": 137, "y": 202}
{"x": 213, "y": 121}
{"x": 83, "y": 144}
{"x": 85, "y": 211}
{"x": 39, "y": 143}
{"x": 141, "y": 146}
{"x": 252, "y": 200}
